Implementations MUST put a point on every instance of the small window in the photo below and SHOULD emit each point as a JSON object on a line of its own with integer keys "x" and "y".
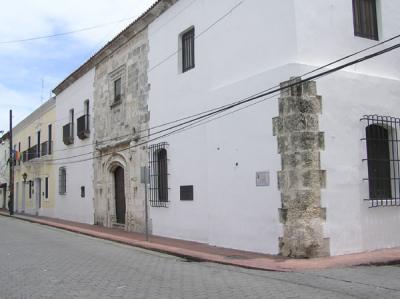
{"x": 365, "y": 19}
{"x": 117, "y": 90}
{"x": 46, "y": 187}
{"x": 49, "y": 140}
{"x": 62, "y": 181}
{"x": 188, "y": 58}
{"x": 38, "y": 144}
{"x": 83, "y": 191}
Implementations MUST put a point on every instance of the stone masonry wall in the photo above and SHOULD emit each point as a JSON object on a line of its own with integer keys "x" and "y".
{"x": 301, "y": 178}
{"x": 119, "y": 129}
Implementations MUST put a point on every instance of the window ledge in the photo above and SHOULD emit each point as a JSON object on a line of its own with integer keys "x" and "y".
{"x": 115, "y": 104}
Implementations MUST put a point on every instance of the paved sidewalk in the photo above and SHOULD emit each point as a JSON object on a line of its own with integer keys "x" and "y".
{"x": 204, "y": 252}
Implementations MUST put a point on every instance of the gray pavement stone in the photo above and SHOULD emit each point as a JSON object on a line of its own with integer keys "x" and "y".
{"x": 42, "y": 262}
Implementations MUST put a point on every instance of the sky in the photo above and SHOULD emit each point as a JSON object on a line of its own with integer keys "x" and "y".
{"x": 30, "y": 70}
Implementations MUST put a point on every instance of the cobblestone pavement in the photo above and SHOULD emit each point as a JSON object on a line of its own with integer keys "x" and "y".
{"x": 42, "y": 262}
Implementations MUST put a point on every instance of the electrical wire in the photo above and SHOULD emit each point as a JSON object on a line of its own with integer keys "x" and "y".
{"x": 210, "y": 110}
{"x": 63, "y": 33}
{"x": 178, "y": 128}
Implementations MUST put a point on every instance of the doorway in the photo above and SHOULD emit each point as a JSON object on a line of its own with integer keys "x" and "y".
{"x": 120, "y": 206}
{"x": 38, "y": 194}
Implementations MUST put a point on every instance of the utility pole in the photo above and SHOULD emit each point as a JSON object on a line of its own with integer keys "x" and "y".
{"x": 11, "y": 183}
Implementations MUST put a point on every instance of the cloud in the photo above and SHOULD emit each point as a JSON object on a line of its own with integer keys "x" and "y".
{"x": 24, "y": 65}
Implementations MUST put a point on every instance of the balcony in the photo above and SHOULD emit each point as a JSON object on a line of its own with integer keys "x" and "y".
{"x": 32, "y": 152}
{"x": 83, "y": 127}
{"x": 46, "y": 148}
{"x": 25, "y": 156}
{"x": 68, "y": 136}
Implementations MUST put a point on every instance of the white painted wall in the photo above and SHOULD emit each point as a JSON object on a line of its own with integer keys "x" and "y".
{"x": 72, "y": 206}
{"x": 259, "y": 44}
{"x": 228, "y": 209}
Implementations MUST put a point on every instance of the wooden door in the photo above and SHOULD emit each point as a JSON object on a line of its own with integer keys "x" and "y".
{"x": 120, "y": 207}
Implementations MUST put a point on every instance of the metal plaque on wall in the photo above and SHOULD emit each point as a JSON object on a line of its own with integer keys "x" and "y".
{"x": 262, "y": 178}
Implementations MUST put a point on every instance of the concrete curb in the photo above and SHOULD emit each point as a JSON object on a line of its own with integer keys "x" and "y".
{"x": 379, "y": 258}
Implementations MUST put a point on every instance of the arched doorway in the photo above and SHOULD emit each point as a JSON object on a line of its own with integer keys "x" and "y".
{"x": 119, "y": 183}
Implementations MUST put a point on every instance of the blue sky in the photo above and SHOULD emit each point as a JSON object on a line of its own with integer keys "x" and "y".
{"x": 24, "y": 65}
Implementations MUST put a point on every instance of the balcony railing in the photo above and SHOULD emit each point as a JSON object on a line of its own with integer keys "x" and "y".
{"x": 83, "y": 126}
{"x": 45, "y": 148}
{"x": 32, "y": 152}
{"x": 68, "y": 137}
{"x": 25, "y": 156}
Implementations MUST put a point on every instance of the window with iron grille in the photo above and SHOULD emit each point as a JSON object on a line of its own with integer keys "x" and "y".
{"x": 383, "y": 159}
{"x": 187, "y": 42}
{"x": 158, "y": 159}
{"x": 365, "y": 19}
{"x": 62, "y": 181}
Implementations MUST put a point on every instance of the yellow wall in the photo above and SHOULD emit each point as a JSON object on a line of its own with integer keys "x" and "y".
{"x": 38, "y": 167}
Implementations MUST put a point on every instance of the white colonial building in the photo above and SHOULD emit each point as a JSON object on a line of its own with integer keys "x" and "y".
{"x": 73, "y": 146}
{"x": 311, "y": 170}
{"x": 308, "y": 190}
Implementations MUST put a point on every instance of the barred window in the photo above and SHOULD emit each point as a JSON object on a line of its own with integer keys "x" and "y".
{"x": 62, "y": 180}
{"x": 365, "y": 19}
{"x": 158, "y": 160}
{"x": 187, "y": 43}
{"x": 382, "y": 145}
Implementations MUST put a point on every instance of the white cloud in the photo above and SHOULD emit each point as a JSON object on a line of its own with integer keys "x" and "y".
{"x": 24, "y": 64}
{"x": 21, "y": 103}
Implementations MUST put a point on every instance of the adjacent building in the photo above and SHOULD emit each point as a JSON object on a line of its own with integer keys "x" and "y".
{"x": 34, "y": 180}
{"x": 73, "y": 148}
{"x": 4, "y": 170}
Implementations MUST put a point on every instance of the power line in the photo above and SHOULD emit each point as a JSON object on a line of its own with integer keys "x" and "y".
{"x": 63, "y": 33}
{"x": 186, "y": 124}
{"x": 201, "y": 113}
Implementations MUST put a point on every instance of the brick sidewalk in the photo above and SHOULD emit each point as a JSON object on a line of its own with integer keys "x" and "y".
{"x": 204, "y": 252}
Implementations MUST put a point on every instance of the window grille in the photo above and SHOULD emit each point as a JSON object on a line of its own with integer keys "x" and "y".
{"x": 383, "y": 159}
{"x": 365, "y": 19}
{"x": 188, "y": 50}
{"x": 158, "y": 160}
{"x": 62, "y": 181}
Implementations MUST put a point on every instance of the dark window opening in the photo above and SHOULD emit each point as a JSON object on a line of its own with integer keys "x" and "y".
{"x": 383, "y": 160}
{"x": 188, "y": 58}
{"x": 49, "y": 141}
{"x": 62, "y": 181}
{"x": 46, "y": 187}
{"x": 158, "y": 175}
{"x": 30, "y": 189}
{"x": 82, "y": 191}
{"x": 117, "y": 90}
{"x": 365, "y": 19}
{"x": 38, "y": 145}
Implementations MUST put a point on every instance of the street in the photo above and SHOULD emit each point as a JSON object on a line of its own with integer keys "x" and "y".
{"x": 42, "y": 262}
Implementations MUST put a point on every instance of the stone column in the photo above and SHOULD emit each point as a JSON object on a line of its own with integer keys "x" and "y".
{"x": 301, "y": 178}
